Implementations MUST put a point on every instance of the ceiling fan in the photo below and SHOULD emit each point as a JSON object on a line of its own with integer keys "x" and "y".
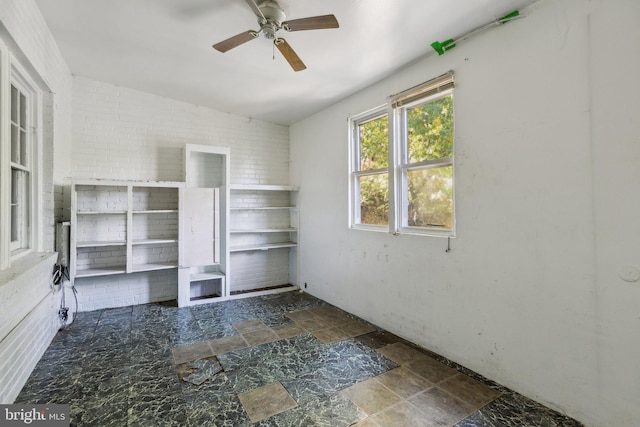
{"x": 271, "y": 19}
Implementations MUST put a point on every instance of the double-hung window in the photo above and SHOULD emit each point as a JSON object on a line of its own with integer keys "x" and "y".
{"x": 20, "y": 103}
{"x": 21, "y": 163}
{"x": 418, "y": 195}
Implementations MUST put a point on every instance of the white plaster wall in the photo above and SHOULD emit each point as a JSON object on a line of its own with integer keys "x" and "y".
{"x": 124, "y": 134}
{"x": 546, "y": 205}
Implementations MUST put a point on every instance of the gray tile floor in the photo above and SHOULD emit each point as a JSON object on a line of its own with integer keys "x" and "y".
{"x": 280, "y": 360}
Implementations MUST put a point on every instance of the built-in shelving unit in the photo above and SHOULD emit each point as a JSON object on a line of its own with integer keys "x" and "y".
{"x": 263, "y": 237}
{"x": 123, "y": 227}
{"x": 225, "y": 240}
{"x": 202, "y": 276}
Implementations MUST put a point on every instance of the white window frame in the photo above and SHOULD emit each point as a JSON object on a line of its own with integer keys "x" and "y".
{"x": 13, "y": 74}
{"x": 355, "y": 220}
{"x": 403, "y": 167}
{"x": 399, "y": 166}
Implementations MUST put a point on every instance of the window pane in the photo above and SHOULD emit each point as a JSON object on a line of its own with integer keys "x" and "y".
{"x": 19, "y": 207}
{"x": 14, "y": 104}
{"x": 430, "y": 130}
{"x": 374, "y": 140}
{"x": 15, "y": 205}
{"x": 15, "y": 144}
{"x": 430, "y": 198}
{"x": 23, "y": 148}
{"x": 23, "y": 111}
{"x": 374, "y": 199}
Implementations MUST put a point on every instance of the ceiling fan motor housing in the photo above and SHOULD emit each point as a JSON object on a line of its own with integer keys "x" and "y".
{"x": 274, "y": 17}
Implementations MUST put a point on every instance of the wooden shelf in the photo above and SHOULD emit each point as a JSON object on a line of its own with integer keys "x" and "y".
{"x": 105, "y": 271}
{"x": 155, "y": 211}
{"x": 263, "y": 208}
{"x": 100, "y": 243}
{"x": 262, "y": 247}
{"x": 154, "y": 241}
{"x": 265, "y": 230}
{"x": 260, "y": 187}
{"x": 197, "y": 277}
{"x": 101, "y": 212}
{"x": 152, "y": 267}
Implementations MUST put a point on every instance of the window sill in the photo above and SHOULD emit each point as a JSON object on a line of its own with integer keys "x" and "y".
{"x": 24, "y": 263}
{"x": 360, "y": 227}
{"x": 427, "y": 232}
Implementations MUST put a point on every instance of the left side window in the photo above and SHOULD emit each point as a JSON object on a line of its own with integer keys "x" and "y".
{"x": 20, "y": 160}
{"x": 21, "y": 164}
{"x": 370, "y": 170}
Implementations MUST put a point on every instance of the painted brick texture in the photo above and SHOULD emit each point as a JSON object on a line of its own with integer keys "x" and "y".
{"x": 34, "y": 320}
{"x": 125, "y": 134}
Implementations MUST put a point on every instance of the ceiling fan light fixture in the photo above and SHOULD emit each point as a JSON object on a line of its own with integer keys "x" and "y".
{"x": 271, "y": 19}
{"x": 272, "y": 13}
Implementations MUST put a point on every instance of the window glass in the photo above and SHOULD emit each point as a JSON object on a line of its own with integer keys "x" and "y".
{"x": 374, "y": 199}
{"x": 20, "y": 172}
{"x": 19, "y": 207}
{"x": 430, "y": 130}
{"x": 430, "y": 197}
{"x": 14, "y": 104}
{"x": 15, "y": 143}
{"x": 374, "y": 141}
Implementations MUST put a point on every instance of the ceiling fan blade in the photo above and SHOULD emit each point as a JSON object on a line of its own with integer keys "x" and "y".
{"x": 289, "y": 54}
{"x": 235, "y": 41}
{"x": 252, "y": 4}
{"x": 312, "y": 23}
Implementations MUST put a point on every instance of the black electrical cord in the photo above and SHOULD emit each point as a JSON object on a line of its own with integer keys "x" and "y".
{"x": 60, "y": 272}
{"x": 75, "y": 294}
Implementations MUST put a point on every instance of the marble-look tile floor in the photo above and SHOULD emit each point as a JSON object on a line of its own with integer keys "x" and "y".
{"x": 281, "y": 360}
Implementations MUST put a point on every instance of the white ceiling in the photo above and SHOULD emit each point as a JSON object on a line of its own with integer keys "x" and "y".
{"x": 164, "y": 47}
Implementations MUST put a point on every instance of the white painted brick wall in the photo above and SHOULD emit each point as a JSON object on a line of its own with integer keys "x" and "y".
{"x": 35, "y": 323}
{"x": 258, "y": 269}
{"x": 28, "y": 321}
{"x": 121, "y": 133}
{"x": 155, "y": 226}
{"x": 125, "y": 134}
{"x": 124, "y": 290}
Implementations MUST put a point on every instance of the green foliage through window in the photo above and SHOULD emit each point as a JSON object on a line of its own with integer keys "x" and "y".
{"x": 429, "y": 190}
{"x": 374, "y": 143}
{"x": 424, "y": 163}
{"x": 430, "y": 130}
{"x": 374, "y": 155}
{"x": 374, "y": 199}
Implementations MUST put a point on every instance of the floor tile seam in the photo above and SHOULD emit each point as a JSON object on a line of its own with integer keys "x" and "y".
{"x": 453, "y": 365}
{"x": 219, "y": 354}
{"x": 475, "y": 407}
{"x": 420, "y": 410}
{"x": 479, "y": 382}
{"x": 434, "y": 385}
{"x": 405, "y": 365}
{"x": 389, "y": 389}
